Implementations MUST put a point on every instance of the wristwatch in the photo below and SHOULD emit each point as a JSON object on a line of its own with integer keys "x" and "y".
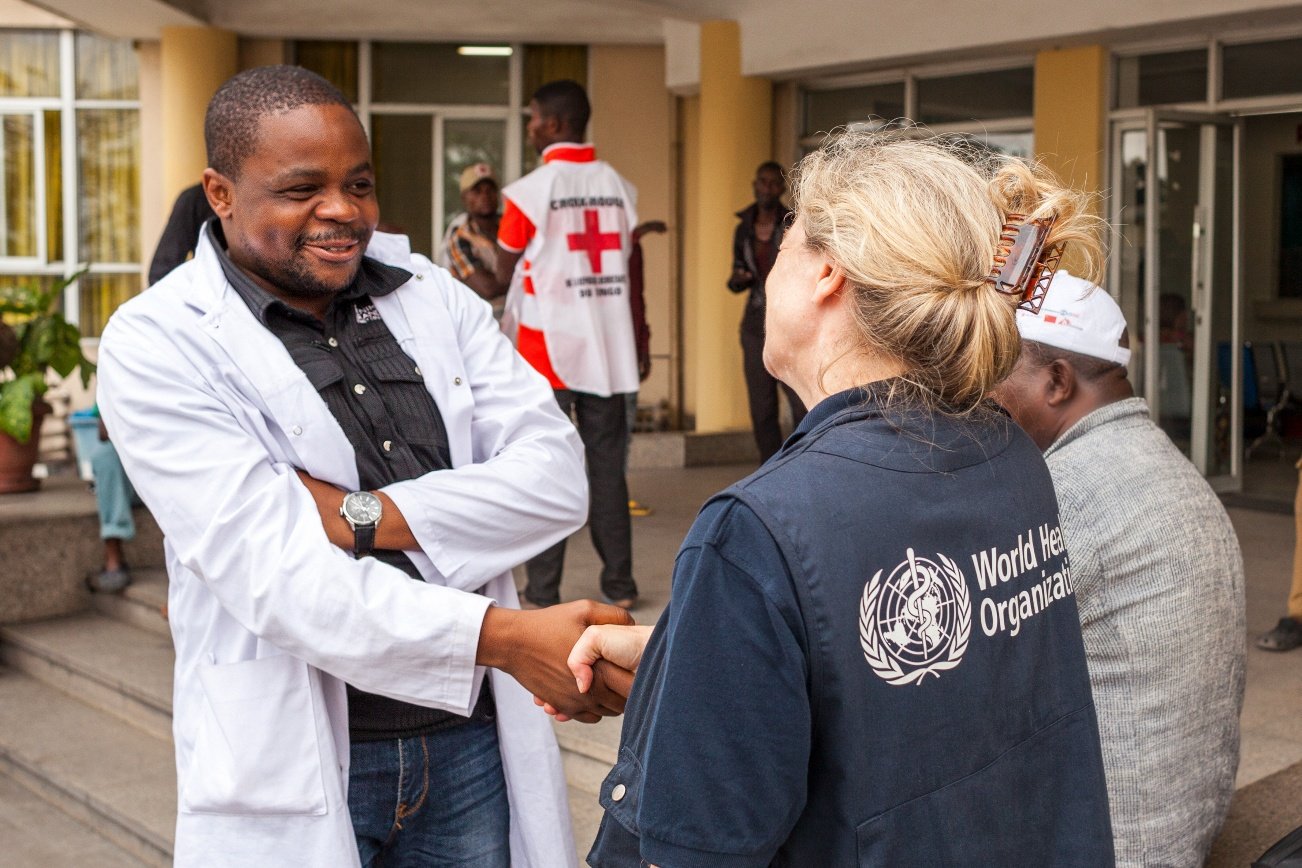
{"x": 362, "y": 511}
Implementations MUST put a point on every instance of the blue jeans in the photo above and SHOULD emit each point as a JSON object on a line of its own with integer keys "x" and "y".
{"x": 114, "y": 495}
{"x": 429, "y": 801}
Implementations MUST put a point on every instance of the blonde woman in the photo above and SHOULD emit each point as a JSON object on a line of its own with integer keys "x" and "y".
{"x": 872, "y": 655}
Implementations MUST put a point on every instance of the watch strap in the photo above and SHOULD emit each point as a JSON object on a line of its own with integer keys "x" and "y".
{"x": 363, "y": 539}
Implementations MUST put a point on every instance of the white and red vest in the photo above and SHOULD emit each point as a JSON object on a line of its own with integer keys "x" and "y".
{"x": 568, "y": 306}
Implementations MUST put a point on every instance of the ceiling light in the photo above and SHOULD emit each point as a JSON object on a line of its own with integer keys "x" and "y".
{"x": 484, "y": 50}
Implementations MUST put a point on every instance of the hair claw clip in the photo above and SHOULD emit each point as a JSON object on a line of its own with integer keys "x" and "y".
{"x": 1024, "y": 265}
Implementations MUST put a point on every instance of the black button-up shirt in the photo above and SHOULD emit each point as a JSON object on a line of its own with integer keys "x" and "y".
{"x": 377, "y": 395}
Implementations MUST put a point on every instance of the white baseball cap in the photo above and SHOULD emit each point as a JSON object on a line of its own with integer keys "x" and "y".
{"x": 1079, "y": 317}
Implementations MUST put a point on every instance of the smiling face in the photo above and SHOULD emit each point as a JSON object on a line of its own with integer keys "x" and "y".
{"x": 300, "y": 214}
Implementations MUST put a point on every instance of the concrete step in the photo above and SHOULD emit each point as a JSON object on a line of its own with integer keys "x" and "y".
{"x": 36, "y": 835}
{"x": 101, "y": 661}
{"x": 141, "y": 603}
{"x": 108, "y": 774}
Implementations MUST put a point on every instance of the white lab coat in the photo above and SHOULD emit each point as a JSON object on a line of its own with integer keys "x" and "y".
{"x": 210, "y": 416}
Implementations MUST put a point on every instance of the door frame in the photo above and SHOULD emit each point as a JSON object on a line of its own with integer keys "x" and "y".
{"x": 1203, "y": 291}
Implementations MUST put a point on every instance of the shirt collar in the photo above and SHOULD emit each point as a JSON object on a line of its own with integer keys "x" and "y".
{"x": 569, "y": 152}
{"x": 1127, "y": 408}
{"x": 831, "y": 406}
{"x": 373, "y": 279}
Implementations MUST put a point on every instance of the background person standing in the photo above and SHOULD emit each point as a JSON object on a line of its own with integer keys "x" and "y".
{"x": 754, "y": 248}
{"x": 469, "y": 249}
{"x": 571, "y": 221}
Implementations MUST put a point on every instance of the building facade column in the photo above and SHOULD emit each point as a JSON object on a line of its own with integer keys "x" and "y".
{"x": 194, "y": 61}
{"x": 734, "y": 135}
{"x": 1071, "y": 114}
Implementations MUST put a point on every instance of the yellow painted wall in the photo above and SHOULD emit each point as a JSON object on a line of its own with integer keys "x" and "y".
{"x": 736, "y": 130}
{"x": 632, "y": 127}
{"x": 689, "y": 179}
{"x": 194, "y": 63}
{"x": 154, "y": 205}
{"x": 1071, "y": 119}
{"x": 262, "y": 52}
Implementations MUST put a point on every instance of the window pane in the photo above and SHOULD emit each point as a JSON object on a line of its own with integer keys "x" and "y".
{"x": 421, "y": 72}
{"x": 108, "y": 175}
{"x": 1262, "y": 69}
{"x": 29, "y": 63}
{"x": 100, "y": 295}
{"x": 1003, "y": 93}
{"x": 336, "y": 62}
{"x": 466, "y": 143}
{"x": 402, "y": 146}
{"x": 106, "y": 68}
{"x": 827, "y": 109}
{"x": 1162, "y": 79}
{"x": 18, "y": 185}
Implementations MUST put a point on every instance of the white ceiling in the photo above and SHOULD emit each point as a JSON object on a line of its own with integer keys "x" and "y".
{"x": 573, "y": 21}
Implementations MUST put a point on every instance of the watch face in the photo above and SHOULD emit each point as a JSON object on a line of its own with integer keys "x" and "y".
{"x": 362, "y": 507}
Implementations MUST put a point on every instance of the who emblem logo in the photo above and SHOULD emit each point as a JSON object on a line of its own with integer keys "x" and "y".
{"x": 917, "y": 620}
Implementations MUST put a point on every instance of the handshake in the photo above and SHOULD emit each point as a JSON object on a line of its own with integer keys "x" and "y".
{"x": 577, "y": 659}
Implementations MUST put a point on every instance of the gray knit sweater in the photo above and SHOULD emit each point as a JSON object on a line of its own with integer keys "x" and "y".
{"x": 1159, "y": 584}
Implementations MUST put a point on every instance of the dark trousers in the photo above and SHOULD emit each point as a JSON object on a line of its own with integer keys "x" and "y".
{"x": 603, "y": 426}
{"x": 762, "y": 390}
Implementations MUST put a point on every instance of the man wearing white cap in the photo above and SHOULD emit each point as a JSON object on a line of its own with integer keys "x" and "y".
{"x": 1158, "y": 576}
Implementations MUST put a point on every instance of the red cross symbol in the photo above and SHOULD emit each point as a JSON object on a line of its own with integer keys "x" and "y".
{"x": 592, "y": 240}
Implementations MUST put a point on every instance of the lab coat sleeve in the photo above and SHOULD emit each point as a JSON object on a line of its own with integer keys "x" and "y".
{"x": 525, "y": 489}
{"x": 243, "y": 524}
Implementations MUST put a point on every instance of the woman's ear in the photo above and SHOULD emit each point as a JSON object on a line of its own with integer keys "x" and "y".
{"x": 831, "y": 280}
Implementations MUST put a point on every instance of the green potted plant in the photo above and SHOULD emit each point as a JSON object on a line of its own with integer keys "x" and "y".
{"x": 34, "y": 338}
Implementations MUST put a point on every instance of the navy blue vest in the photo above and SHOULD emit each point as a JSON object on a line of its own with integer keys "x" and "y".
{"x": 951, "y": 711}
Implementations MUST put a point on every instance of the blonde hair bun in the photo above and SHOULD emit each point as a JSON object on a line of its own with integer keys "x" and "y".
{"x": 914, "y": 223}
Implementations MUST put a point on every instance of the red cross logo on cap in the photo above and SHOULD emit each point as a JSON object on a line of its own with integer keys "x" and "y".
{"x": 592, "y": 240}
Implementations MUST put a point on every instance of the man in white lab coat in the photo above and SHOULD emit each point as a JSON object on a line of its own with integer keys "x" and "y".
{"x": 316, "y": 417}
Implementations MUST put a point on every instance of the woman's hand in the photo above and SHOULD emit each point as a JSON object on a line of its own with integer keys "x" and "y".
{"x": 615, "y": 651}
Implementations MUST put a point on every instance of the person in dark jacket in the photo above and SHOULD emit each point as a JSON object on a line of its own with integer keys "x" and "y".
{"x": 181, "y": 234}
{"x": 872, "y": 655}
{"x": 755, "y": 246}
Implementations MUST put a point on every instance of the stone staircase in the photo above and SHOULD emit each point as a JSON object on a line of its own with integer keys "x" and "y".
{"x": 85, "y": 723}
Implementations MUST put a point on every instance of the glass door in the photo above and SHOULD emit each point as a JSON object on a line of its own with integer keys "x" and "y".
{"x": 418, "y": 157}
{"x": 1176, "y": 210}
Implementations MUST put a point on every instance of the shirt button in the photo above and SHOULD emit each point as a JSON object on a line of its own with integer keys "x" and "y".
{"x": 456, "y": 381}
{"x": 418, "y": 373}
{"x": 297, "y": 430}
{"x": 388, "y": 445}
{"x": 359, "y": 389}
{"x": 420, "y": 277}
{"x": 332, "y": 342}
{"x": 617, "y": 794}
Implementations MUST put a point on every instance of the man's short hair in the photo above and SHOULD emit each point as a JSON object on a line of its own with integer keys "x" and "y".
{"x": 772, "y": 166}
{"x": 1088, "y": 368}
{"x": 230, "y": 127}
{"x": 567, "y": 102}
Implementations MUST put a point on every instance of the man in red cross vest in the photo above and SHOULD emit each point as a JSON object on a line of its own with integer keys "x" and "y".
{"x": 564, "y": 244}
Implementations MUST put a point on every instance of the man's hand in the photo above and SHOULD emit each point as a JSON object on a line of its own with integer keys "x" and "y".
{"x": 532, "y": 648}
{"x": 741, "y": 278}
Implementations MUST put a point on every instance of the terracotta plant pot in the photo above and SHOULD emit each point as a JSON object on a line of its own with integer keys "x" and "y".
{"x": 17, "y": 459}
